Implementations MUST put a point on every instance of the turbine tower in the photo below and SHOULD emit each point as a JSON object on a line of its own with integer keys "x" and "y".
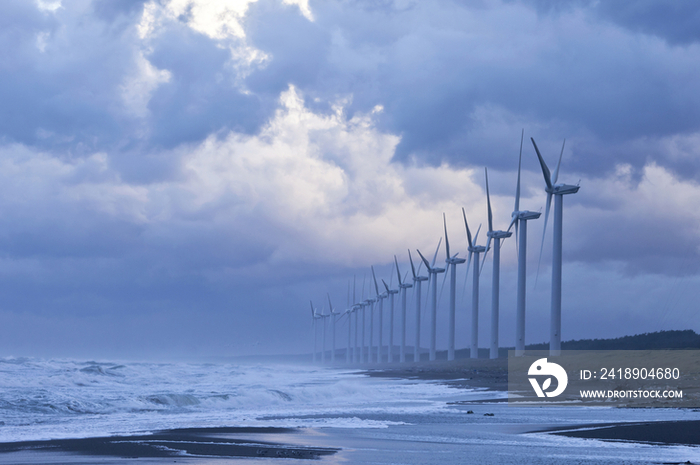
{"x": 391, "y": 293}
{"x": 558, "y": 191}
{"x": 403, "y": 286}
{"x": 380, "y": 301}
{"x": 474, "y": 250}
{"x": 417, "y": 280}
{"x": 519, "y": 218}
{"x": 495, "y": 287}
{"x": 452, "y": 262}
{"x": 433, "y": 272}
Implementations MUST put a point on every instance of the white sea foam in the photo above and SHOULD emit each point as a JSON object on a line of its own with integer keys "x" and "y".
{"x": 44, "y": 399}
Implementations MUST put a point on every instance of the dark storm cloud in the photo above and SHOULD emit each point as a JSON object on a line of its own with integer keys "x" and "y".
{"x": 676, "y": 22}
{"x": 200, "y": 97}
{"x": 434, "y": 70}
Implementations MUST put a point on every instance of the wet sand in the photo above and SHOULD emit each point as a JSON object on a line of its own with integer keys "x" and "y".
{"x": 656, "y": 432}
{"x": 176, "y": 444}
{"x": 460, "y": 373}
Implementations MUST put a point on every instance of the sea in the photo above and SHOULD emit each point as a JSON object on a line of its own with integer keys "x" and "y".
{"x": 368, "y": 419}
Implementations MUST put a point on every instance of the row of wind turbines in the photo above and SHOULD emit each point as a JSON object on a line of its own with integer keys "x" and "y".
{"x": 366, "y": 351}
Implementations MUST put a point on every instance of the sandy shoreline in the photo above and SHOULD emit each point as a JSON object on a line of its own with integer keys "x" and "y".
{"x": 176, "y": 443}
{"x": 461, "y": 373}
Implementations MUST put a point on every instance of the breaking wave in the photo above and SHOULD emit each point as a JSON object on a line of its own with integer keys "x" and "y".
{"x": 44, "y": 399}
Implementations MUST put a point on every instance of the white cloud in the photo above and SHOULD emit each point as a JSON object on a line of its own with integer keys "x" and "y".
{"x": 49, "y": 5}
{"x": 138, "y": 87}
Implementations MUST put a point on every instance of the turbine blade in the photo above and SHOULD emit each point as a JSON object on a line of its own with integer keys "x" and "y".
{"x": 413, "y": 268}
{"x": 312, "y": 310}
{"x": 442, "y": 286}
{"x": 488, "y": 201}
{"x": 398, "y": 273}
{"x": 517, "y": 186}
{"x": 556, "y": 171}
{"x": 447, "y": 241}
{"x": 466, "y": 225}
{"x": 386, "y": 285}
{"x": 427, "y": 265}
{"x": 545, "y": 170}
{"x": 544, "y": 233}
{"x": 376, "y": 286}
{"x": 466, "y": 275}
{"x": 513, "y": 221}
{"x": 330, "y": 305}
{"x": 476, "y": 236}
{"x": 436, "y": 252}
{"x": 486, "y": 252}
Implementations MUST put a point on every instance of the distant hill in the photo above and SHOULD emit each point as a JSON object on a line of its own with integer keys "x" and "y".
{"x": 685, "y": 339}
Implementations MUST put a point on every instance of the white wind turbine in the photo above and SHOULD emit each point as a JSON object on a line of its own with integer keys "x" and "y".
{"x": 452, "y": 262}
{"x": 496, "y": 282}
{"x": 333, "y": 316}
{"x": 403, "y": 286}
{"x": 474, "y": 250}
{"x": 314, "y": 316}
{"x": 356, "y": 310}
{"x": 520, "y": 219}
{"x": 433, "y": 272}
{"x": 348, "y": 312}
{"x": 371, "y": 302}
{"x": 380, "y": 301}
{"x": 558, "y": 191}
{"x": 417, "y": 280}
{"x": 391, "y": 293}
{"x": 364, "y": 304}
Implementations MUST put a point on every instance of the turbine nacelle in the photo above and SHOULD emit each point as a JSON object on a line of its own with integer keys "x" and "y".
{"x": 477, "y": 249}
{"x": 562, "y": 189}
{"x": 499, "y": 234}
{"x": 526, "y": 215}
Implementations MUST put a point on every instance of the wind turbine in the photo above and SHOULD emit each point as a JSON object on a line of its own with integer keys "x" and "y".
{"x": 433, "y": 272}
{"x": 403, "y": 286}
{"x": 417, "y": 280}
{"x": 323, "y": 321}
{"x": 495, "y": 287}
{"x": 333, "y": 316}
{"x": 520, "y": 219}
{"x": 391, "y": 293}
{"x": 380, "y": 300}
{"x": 314, "y": 316}
{"x": 474, "y": 250}
{"x": 364, "y": 304}
{"x": 452, "y": 262}
{"x": 371, "y": 302}
{"x": 558, "y": 191}
{"x": 348, "y": 312}
{"x": 355, "y": 309}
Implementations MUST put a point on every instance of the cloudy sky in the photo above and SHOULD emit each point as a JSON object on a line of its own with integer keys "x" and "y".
{"x": 179, "y": 177}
